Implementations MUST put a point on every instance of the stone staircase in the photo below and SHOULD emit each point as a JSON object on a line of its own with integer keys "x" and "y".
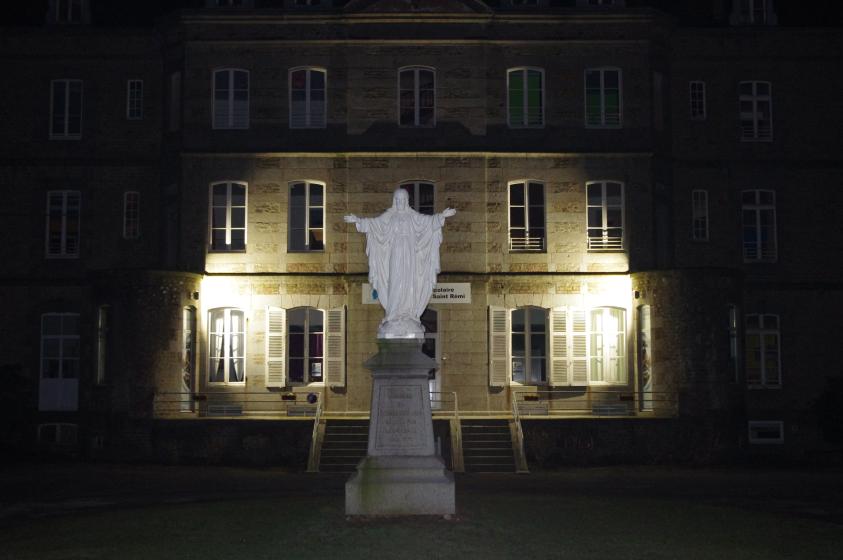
{"x": 344, "y": 444}
{"x": 487, "y": 446}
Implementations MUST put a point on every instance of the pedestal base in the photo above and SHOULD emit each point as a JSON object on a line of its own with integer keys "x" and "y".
{"x": 400, "y": 485}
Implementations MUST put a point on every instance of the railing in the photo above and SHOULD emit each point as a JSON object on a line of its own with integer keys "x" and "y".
{"x": 605, "y": 243}
{"x": 229, "y": 405}
{"x": 526, "y": 243}
{"x": 593, "y": 403}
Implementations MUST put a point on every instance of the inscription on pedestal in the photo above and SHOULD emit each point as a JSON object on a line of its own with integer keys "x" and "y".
{"x": 400, "y": 414}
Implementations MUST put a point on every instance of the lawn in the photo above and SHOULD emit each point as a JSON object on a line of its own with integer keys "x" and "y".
{"x": 502, "y": 525}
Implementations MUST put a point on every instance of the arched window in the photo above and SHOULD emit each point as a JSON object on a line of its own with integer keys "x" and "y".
{"x": 226, "y": 345}
{"x": 603, "y": 98}
{"x": 421, "y": 196}
{"x": 529, "y": 345}
{"x": 308, "y": 89}
{"x": 417, "y": 96}
{"x": 306, "y": 217}
{"x": 306, "y": 344}
{"x": 228, "y": 216}
{"x": 231, "y": 98}
{"x": 605, "y": 207}
{"x": 431, "y": 348}
{"x": 526, "y": 216}
{"x": 608, "y": 345}
{"x": 525, "y": 97}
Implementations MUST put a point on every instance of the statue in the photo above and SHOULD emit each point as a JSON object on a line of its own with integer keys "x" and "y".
{"x": 403, "y": 250}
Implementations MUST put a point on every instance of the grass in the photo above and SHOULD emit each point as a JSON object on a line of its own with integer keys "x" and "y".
{"x": 500, "y": 526}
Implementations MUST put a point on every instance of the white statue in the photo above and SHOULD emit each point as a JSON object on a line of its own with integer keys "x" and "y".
{"x": 403, "y": 250}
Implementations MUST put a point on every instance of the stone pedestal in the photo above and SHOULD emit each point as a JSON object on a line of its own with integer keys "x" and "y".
{"x": 401, "y": 474}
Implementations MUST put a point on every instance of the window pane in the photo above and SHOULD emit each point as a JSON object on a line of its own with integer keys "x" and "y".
{"x": 238, "y": 217}
{"x": 518, "y": 320}
{"x": 317, "y": 79}
{"x": 316, "y": 195}
{"x": 315, "y": 349}
{"x": 238, "y": 195}
{"x": 516, "y": 194}
{"x": 296, "y": 319}
{"x": 296, "y": 370}
{"x": 296, "y": 345}
{"x": 220, "y": 197}
{"x": 238, "y": 239}
{"x": 315, "y": 320}
{"x": 516, "y": 218}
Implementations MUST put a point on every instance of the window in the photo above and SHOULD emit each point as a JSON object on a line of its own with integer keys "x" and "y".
{"x": 417, "y": 97}
{"x": 305, "y": 345}
{"x": 581, "y": 347}
{"x": 231, "y": 98}
{"x": 226, "y": 345}
{"x": 307, "y": 97}
{"x": 603, "y": 98}
{"x": 608, "y": 345}
{"x": 134, "y": 100}
{"x": 103, "y": 313}
{"x": 699, "y": 215}
{"x": 529, "y": 345}
{"x": 131, "y": 215}
{"x": 766, "y": 432}
{"x": 175, "y": 102}
{"x": 525, "y": 97}
{"x": 59, "y": 387}
{"x": 696, "y": 91}
{"x": 228, "y": 217}
{"x": 605, "y": 216}
{"x": 66, "y": 109}
{"x": 63, "y": 215}
{"x": 526, "y": 216}
{"x": 188, "y": 357}
{"x": 758, "y": 216}
{"x": 762, "y": 351}
{"x": 58, "y": 434}
{"x": 69, "y": 11}
{"x": 421, "y": 196}
{"x": 307, "y": 217}
{"x": 756, "y": 112}
{"x": 734, "y": 358}
{"x": 431, "y": 348}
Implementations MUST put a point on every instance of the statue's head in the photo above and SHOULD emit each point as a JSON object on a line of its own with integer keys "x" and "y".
{"x": 400, "y": 200}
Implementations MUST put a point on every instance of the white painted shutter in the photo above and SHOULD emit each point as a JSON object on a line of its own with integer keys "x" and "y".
{"x": 559, "y": 354}
{"x": 335, "y": 347}
{"x": 276, "y": 347}
{"x": 499, "y": 357}
{"x": 579, "y": 347}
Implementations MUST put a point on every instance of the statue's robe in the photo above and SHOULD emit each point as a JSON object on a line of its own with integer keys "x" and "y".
{"x": 403, "y": 251}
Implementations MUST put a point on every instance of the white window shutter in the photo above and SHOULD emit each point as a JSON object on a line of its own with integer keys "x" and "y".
{"x": 499, "y": 355}
{"x": 559, "y": 355}
{"x": 335, "y": 347}
{"x": 276, "y": 347}
{"x": 579, "y": 347}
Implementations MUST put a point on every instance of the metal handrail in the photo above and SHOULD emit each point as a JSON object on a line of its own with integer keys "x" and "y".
{"x": 526, "y": 243}
{"x": 591, "y": 402}
{"x": 244, "y": 403}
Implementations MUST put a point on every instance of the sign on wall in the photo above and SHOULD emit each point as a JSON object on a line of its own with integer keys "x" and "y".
{"x": 458, "y": 292}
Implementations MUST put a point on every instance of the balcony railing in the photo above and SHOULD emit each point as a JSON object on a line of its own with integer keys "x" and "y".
{"x": 232, "y": 405}
{"x": 526, "y": 244}
{"x": 605, "y": 243}
{"x": 591, "y": 402}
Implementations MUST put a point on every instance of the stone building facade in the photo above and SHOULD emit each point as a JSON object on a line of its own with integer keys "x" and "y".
{"x": 642, "y": 265}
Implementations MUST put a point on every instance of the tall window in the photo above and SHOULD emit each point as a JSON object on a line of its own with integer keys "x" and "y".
{"x": 421, "y": 196}
{"x": 103, "y": 320}
{"x": 66, "y": 109}
{"x": 417, "y": 97}
{"x": 63, "y": 214}
{"x": 529, "y": 345}
{"x": 603, "y": 98}
{"x": 608, "y": 345}
{"x": 188, "y": 357}
{"x": 307, "y": 97}
{"x": 605, "y": 216}
{"x": 696, "y": 90}
{"x": 306, "y": 217}
{"x": 756, "y": 111}
{"x": 525, "y": 97}
{"x": 306, "y": 344}
{"x": 226, "y": 345}
{"x": 762, "y": 351}
{"x": 734, "y": 350}
{"x": 526, "y": 216}
{"x": 231, "y": 98}
{"x": 699, "y": 215}
{"x": 228, "y": 217}
{"x": 131, "y": 215}
{"x": 758, "y": 214}
{"x": 59, "y": 386}
{"x": 134, "y": 100}
{"x": 430, "y": 348}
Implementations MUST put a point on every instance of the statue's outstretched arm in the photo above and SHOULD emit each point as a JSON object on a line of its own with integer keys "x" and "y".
{"x": 448, "y": 212}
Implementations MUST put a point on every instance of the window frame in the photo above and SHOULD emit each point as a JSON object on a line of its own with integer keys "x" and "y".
{"x": 527, "y": 243}
{"x": 131, "y": 215}
{"x": 622, "y": 355}
{"x": 528, "y": 357}
{"x": 230, "y": 102}
{"x": 61, "y": 337}
{"x": 755, "y": 98}
{"x": 306, "y": 358}
{"x": 63, "y": 253}
{"x": 698, "y": 111}
{"x": 134, "y": 99}
{"x": 526, "y": 98}
{"x": 308, "y": 114}
{"x": 762, "y": 332}
{"x": 227, "y": 348}
{"x": 758, "y": 207}
{"x": 603, "y": 124}
{"x": 65, "y": 134}
{"x": 103, "y": 336}
{"x": 415, "y": 194}
{"x": 229, "y": 207}
{"x": 307, "y": 208}
{"x": 699, "y": 215}
{"x": 417, "y": 96}
{"x": 607, "y": 244}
